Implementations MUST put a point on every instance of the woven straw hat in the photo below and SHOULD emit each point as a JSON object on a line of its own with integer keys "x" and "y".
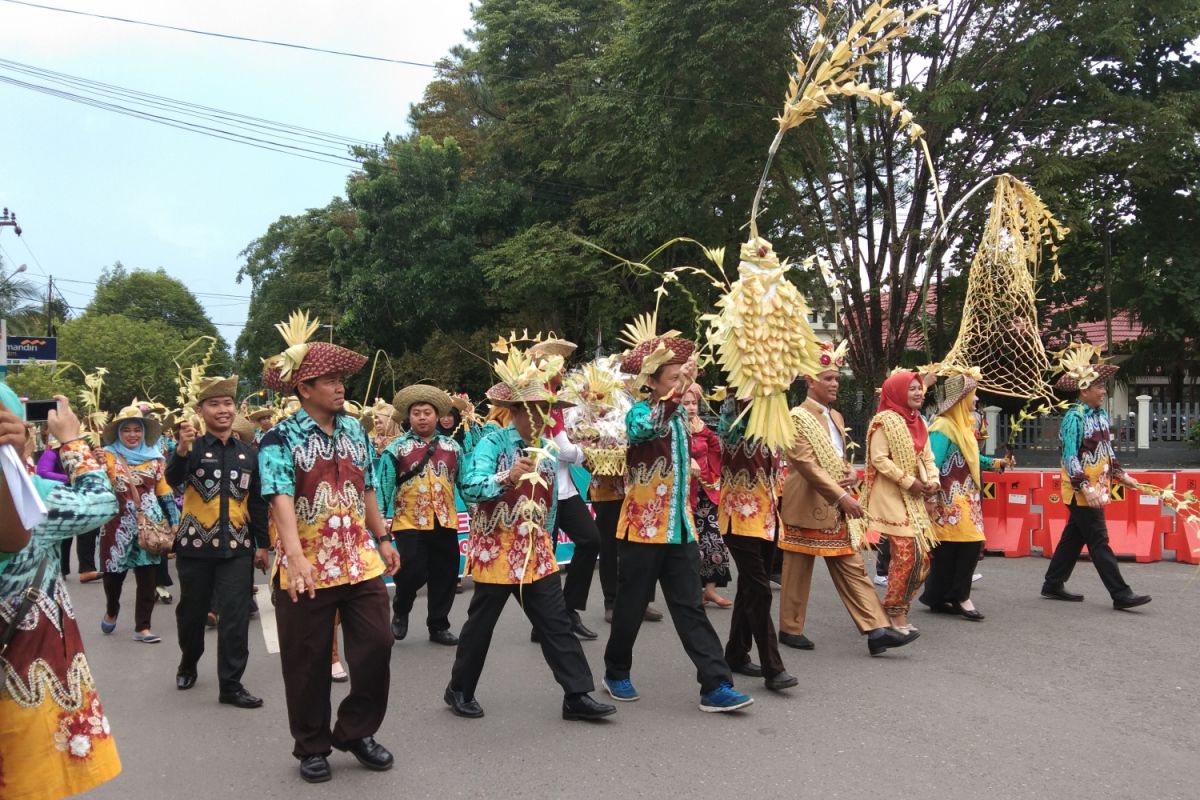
{"x": 506, "y": 396}
{"x": 954, "y": 389}
{"x": 407, "y": 397}
{"x": 244, "y": 429}
{"x": 552, "y": 347}
{"x": 217, "y": 386}
{"x": 133, "y": 411}
{"x": 260, "y": 414}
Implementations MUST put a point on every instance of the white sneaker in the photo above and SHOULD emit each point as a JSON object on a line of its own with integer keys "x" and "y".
{"x": 880, "y": 580}
{"x": 976, "y": 576}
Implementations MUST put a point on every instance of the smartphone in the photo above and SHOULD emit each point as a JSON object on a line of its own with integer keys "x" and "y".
{"x": 39, "y": 410}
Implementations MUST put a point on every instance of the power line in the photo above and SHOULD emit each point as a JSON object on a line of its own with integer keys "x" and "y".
{"x": 218, "y": 133}
{"x": 198, "y": 294}
{"x": 294, "y": 132}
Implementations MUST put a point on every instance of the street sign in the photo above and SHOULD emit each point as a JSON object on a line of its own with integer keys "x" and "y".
{"x": 31, "y": 349}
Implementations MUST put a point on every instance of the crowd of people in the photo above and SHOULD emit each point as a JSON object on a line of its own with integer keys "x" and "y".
{"x": 343, "y": 495}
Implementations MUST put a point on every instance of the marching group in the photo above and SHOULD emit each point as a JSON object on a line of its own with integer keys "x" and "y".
{"x": 343, "y": 496}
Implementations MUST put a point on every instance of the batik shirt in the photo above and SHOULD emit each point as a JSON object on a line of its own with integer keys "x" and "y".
{"x": 507, "y": 522}
{"x": 224, "y": 513}
{"x": 328, "y": 477}
{"x": 426, "y": 500}
{"x": 750, "y": 480}
{"x": 656, "y": 508}
{"x": 959, "y": 516}
{"x": 1087, "y": 454}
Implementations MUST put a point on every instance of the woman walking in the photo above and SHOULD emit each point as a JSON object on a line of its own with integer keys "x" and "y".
{"x": 705, "y": 500}
{"x": 135, "y": 465}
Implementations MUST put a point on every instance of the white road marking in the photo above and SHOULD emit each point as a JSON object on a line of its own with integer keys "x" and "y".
{"x": 266, "y": 618}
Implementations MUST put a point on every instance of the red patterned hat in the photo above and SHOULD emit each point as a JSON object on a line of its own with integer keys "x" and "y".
{"x": 303, "y": 361}
{"x": 661, "y": 351}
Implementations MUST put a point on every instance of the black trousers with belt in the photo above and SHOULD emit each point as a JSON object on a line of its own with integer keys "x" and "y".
{"x": 224, "y": 586}
{"x": 576, "y": 521}
{"x": 1085, "y": 526}
{"x": 543, "y": 604}
{"x": 752, "y": 622}
{"x": 305, "y": 642}
{"x": 427, "y": 557}
{"x": 676, "y": 567}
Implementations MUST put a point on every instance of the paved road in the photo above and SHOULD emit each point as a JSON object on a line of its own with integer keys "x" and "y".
{"x": 1042, "y": 700}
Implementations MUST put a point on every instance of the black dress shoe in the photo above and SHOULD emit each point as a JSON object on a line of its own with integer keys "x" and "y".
{"x": 782, "y": 681}
{"x": 399, "y": 627}
{"x": 184, "y": 680}
{"x": 1130, "y": 600}
{"x": 972, "y": 615}
{"x": 582, "y": 706}
{"x": 241, "y": 698}
{"x": 942, "y": 608}
{"x": 462, "y": 706}
{"x": 315, "y": 769}
{"x": 748, "y": 668}
{"x": 796, "y": 640}
{"x": 443, "y": 637}
{"x": 1060, "y": 593}
{"x": 533, "y": 636}
{"x": 890, "y": 638}
{"x": 581, "y": 630}
{"x": 370, "y": 753}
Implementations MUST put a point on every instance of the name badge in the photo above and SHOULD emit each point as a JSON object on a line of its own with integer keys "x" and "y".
{"x": 244, "y": 482}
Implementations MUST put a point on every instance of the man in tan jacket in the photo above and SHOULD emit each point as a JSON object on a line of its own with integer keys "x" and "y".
{"x": 817, "y": 504}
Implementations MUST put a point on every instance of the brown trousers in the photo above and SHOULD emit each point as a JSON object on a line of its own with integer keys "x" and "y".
{"x": 305, "y": 642}
{"x": 849, "y": 575}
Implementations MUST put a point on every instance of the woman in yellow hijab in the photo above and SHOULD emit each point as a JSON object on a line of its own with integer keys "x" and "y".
{"x": 958, "y": 521}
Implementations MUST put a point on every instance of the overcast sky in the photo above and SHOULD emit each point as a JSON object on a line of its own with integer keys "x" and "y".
{"x": 91, "y": 187}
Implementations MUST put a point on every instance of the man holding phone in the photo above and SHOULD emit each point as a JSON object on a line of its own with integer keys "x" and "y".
{"x": 222, "y": 535}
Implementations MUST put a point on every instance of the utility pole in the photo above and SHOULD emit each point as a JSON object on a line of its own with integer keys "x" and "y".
{"x": 9, "y": 220}
{"x": 50, "y": 307}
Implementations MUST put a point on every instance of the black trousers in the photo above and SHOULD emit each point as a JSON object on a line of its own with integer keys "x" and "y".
{"x": 677, "y": 568}
{"x": 143, "y": 607}
{"x": 427, "y": 557}
{"x": 608, "y": 512}
{"x": 752, "y": 620}
{"x": 547, "y": 612}
{"x": 305, "y": 642}
{"x": 162, "y": 573}
{"x": 222, "y": 585}
{"x": 1085, "y": 526}
{"x": 576, "y": 521}
{"x": 951, "y": 565}
{"x": 85, "y": 551}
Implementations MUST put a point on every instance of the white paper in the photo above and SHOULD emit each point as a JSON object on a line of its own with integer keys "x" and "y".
{"x": 1147, "y": 500}
{"x": 26, "y": 499}
{"x": 1018, "y": 499}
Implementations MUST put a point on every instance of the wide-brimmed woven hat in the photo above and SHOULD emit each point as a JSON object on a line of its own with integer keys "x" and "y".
{"x": 259, "y": 414}
{"x": 216, "y": 386}
{"x": 133, "y": 411}
{"x": 508, "y": 396}
{"x": 955, "y": 388}
{"x": 1081, "y": 366}
{"x": 552, "y": 347}
{"x": 302, "y": 360}
{"x": 409, "y": 396}
{"x": 244, "y": 429}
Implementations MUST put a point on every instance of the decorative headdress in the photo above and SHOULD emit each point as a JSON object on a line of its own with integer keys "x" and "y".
{"x": 523, "y": 380}
{"x": 649, "y": 351}
{"x": 832, "y": 357}
{"x": 1081, "y": 366}
{"x": 259, "y": 414}
{"x": 956, "y": 387}
{"x": 552, "y": 347}
{"x": 302, "y": 360}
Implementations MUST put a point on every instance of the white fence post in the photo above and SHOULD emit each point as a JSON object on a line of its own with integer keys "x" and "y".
{"x": 992, "y": 415}
{"x": 1143, "y": 422}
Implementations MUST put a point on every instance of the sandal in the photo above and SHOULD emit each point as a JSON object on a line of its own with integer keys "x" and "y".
{"x": 338, "y": 673}
{"x": 164, "y": 596}
{"x": 146, "y": 638}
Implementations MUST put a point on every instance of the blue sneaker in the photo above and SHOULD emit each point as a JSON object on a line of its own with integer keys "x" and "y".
{"x": 621, "y": 690}
{"x": 106, "y": 626}
{"x": 724, "y": 698}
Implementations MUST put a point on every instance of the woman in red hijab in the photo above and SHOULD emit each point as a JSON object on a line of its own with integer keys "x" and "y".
{"x": 901, "y": 476}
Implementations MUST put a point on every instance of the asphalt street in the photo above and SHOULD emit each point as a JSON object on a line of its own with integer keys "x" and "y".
{"x": 1044, "y": 699}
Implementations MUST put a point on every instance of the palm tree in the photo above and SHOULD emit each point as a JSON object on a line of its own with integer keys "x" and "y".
{"x": 21, "y": 303}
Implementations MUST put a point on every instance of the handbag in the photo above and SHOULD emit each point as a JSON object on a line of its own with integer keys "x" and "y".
{"x": 27, "y": 599}
{"x": 154, "y": 536}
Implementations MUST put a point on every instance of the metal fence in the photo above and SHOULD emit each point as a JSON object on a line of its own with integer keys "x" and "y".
{"x": 1042, "y": 433}
{"x": 1172, "y": 422}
